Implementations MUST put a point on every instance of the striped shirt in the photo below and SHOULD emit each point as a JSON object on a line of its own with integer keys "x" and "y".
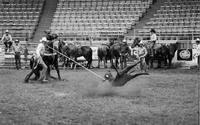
{"x": 17, "y": 48}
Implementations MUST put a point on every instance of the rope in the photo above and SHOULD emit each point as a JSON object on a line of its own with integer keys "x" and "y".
{"x": 78, "y": 63}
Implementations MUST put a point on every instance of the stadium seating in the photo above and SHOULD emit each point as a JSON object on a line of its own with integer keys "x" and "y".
{"x": 175, "y": 20}
{"x": 20, "y": 17}
{"x": 97, "y": 18}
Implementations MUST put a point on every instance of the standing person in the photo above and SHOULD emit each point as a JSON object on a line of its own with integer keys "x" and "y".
{"x": 153, "y": 39}
{"x": 17, "y": 51}
{"x": 198, "y": 51}
{"x": 142, "y": 52}
{"x": 7, "y": 40}
{"x": 39, "y": 54}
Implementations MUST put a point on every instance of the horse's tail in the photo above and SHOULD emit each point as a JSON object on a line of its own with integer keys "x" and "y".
{"x": 90, "y": 57}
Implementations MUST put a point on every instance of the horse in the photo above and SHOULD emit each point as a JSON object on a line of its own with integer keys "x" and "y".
{"x": 49, "y": 59}
{"x": 119, "y": 51}
{"x": 103, "y": 54}
{"x": 73, "y": 51}
{"x": 162, "y": 52}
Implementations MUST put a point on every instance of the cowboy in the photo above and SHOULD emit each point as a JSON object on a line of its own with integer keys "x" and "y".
{"x": 17, "y": 48}
{"x": 123, "y": 76}
{"x": 7, "y": 40}
{"x": 142, "y": 52}
{"x": 198, "y": 51}
{"x": 126, "y": 47}
{"x": 153, "y": 39}
{"x": 39, "y": 54}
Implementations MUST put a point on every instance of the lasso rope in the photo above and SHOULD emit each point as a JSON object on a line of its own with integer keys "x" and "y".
{"x": 77, "y": 63}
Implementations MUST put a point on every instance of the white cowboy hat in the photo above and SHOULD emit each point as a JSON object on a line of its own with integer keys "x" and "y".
{"x": 124, "y": 41}
{"x": 44, "y": 39}
{"x": 141, "y": 42}
{"x": 197, "y": 39}
{"x": 7, "y": 31}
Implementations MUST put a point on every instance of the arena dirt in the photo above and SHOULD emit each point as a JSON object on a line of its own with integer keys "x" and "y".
{"x": 165, "y": 97}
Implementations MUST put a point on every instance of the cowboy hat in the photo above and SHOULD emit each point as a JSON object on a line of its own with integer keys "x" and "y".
{"x": 44, "y": 39}
{"x": 16, "y": 41}
{"x": 124, "y": 41}
{"x": 152, "y": 31}
{"x": 197, "y": 39}
{"x": 7, "y": 31}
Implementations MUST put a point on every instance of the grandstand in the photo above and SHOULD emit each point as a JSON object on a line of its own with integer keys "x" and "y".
{"x": 20, "y": 17}
{"x": 96, "y": 21}
{"x": 174, "y": 20}
{"x": 100, "y": 18}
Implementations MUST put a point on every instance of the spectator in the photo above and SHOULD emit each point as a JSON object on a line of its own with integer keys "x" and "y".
{"x": 7, "y": 40}
{"x": 17, "y": 51}
{"x": 141, "y": 52}
{"x": 198, "y": 51}
{"x": 141, "y": 55}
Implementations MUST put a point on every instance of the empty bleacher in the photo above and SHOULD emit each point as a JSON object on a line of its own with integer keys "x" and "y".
{"x": 97, "y": 18}
{"x": 175, "y": 20}
{"x": 20, "y": 17}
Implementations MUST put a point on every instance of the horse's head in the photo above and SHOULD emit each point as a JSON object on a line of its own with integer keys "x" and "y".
{"x": 51, "y": 36}
{"x": 61, "y": 45}
{"x": 125, "y": 50}
{"x": 172, "y": 48}
{"x": 135, "y": 42}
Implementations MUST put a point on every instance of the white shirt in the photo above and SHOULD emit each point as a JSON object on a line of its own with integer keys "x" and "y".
{"x": 40, "y": 50}
{"x": 153, "y": 37}
{"x": 17, "y": 48}
{"x": 198, "y": 49}
{"x": 140, "y": 52}
{"x": 6, "y": 38}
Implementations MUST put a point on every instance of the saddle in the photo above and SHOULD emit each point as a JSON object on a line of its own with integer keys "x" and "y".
{"x": 153, "y": 47}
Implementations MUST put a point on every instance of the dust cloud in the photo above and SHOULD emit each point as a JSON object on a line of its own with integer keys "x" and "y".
{"x": 133, "y": 88}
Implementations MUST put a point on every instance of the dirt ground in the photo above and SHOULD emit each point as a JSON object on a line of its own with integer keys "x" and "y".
{"x": 165, "y": 97}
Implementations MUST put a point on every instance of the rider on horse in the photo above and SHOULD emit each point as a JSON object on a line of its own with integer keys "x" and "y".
{"x": 153, "y": 39}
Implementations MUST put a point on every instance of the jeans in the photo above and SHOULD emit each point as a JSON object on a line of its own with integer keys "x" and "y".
{"x": 18, "y": 60}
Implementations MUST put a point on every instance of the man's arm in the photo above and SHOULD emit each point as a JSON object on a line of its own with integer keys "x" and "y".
{"x": 144, "y": 53}
{"x": 2, "y": 38}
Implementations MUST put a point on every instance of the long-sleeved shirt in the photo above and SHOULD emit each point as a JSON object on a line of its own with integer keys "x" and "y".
{"x": 6, "y": 38}
{"x": 140, "y": 52}
{"x": 40, "y": 50}
{"x": 153, "y": 37}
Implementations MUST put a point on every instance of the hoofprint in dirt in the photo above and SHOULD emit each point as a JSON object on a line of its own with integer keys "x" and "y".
{"x": 165, "y": 97}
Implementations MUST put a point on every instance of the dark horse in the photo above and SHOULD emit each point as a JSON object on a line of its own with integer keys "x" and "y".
{"x": 49, "y": 59}
{"x": 120, "y": 51}
{"x": 73, "y": 51}
{"x": 103, "y": 53}
{"x": 163, "y": 52}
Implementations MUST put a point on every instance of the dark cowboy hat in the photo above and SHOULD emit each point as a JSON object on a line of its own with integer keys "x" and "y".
{"x": 47, "y": 31}
{"x": 152, "y": 31}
